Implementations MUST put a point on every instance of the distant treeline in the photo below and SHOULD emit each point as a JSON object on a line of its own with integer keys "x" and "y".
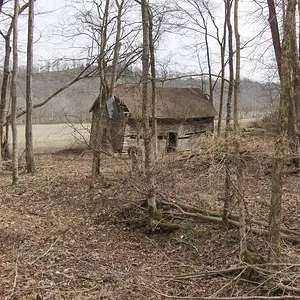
{"x": 73, "y": 104}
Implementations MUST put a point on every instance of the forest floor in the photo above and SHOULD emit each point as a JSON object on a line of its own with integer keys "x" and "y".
{"x": 60, "y": 241}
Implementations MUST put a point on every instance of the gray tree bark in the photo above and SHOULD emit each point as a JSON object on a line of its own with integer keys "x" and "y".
{"x": 228, "y": 189}
{"x": 153, "y": 83}
{"x": 101, "y": 123}
{"x": 275, "y": 32}
{"x": 239, "y": 189}
{"x": 4, "y": 151}
{"x": 294, "y": 111}
{"x": 98, "y": 114}
{"x": 146, "y": 105}
{"x": 282, "y": 140}
{"x": 15, "y": 173}
{"x": 223, "y": 50}
{"x": 3, "y": 101}
{"x": 29, "y": 156}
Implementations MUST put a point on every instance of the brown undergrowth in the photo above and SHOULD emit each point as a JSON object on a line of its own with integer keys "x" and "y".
{"x": 58, "y": 240}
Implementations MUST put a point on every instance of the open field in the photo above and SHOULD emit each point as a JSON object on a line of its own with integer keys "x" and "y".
{"x": 51, "y": 137}
{"x": 58, "y": 240}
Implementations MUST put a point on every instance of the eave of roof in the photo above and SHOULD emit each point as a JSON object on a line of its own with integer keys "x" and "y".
{"x": 172, "y": 103}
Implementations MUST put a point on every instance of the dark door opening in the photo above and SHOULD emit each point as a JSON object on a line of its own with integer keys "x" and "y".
{"x": 171, "y": 141}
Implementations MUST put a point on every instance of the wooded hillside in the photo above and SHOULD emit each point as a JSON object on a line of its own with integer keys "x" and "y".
{"x": 73, "y": 104}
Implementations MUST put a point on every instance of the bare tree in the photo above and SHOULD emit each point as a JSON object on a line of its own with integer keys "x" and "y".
{"x": 223, "y": 67}
{"x": 153, "y": 82}
{"x": 146, "y": 108}
{"x": 101, "y": 100}
{"x": 15, "y": 173}
{"x": 228, "y": 189}
{"x": 294, "y": 117}
{"x": 239, "y": 189}
{"x": 294, "y": 110}
{"x": 275, "y": 218}
{"x": 197, "y": 17}
{"x": 3, "y": 104}
{"x": 102, "y": 129}
{"x": 4, "y": 152}
{"x": 275, "y": 32}
{"x": 30, "y": 163}
{"x": 200, "y": 19}
{"x": 1, "y": 5}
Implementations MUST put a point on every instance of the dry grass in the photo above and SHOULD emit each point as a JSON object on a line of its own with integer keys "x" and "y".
{"x": 52, "y": 137}
{"x": 60, "y": 241}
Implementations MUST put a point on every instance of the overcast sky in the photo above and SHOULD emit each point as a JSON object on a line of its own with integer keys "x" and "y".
{"x": 53, "y": 15}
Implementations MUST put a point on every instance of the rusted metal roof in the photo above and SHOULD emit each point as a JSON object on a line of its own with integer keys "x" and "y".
{"x": 172, "y": 103}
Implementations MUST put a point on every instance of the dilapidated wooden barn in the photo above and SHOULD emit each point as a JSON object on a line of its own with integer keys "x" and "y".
{"x": 183, "y": 115}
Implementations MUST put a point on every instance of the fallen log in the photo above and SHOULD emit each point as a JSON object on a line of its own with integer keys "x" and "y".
{"x": 272, "y": 273}
{"x": 287, "y": 234}
{"x": 232, "y": 216}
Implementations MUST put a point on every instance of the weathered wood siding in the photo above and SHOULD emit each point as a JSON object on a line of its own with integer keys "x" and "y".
{"x": 189, "y": 133}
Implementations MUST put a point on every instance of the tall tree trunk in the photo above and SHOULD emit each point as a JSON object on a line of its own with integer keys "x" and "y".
{"x": 296, "y": 84}
{"x": 295, "y": 100}
{"x": 239, "y": 189}
{"x": 146, "y": 104}
{"x": 298, "y": 30}
{"x": 277, "y": 49}
{"x": 296, "y": 71}
{"x": 3, "y": 100}
{"x": 207, "y": 49}
{"x": 116, "y": 125}
{"x": 223, "y": 49}
{"x": 275, "y": 32}
{"x": 15, "y": 174}
{"x": 101, "y": 105}
{"x": 4, "y": 150}
{"x": 117, "y": 47}
{"x": 1, "y": 5}
{"x": 275, "y": 218}
{"x": 153, "y": 84}
{"x": 95, "y": 145}
{"x": 228, "y": 192}
{"x": 283, "y": 13}
{"x": 293, "y": 122}
{"x": 29, "y": 157}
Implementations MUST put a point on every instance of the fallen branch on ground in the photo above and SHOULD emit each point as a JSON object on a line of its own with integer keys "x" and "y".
{"x": 189, "y": 207}
{"x": 283, "y": 297}
{"x": 271, "y": 276}
{"x": 292, "y": 236}
{"x": 229, "y": 271}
